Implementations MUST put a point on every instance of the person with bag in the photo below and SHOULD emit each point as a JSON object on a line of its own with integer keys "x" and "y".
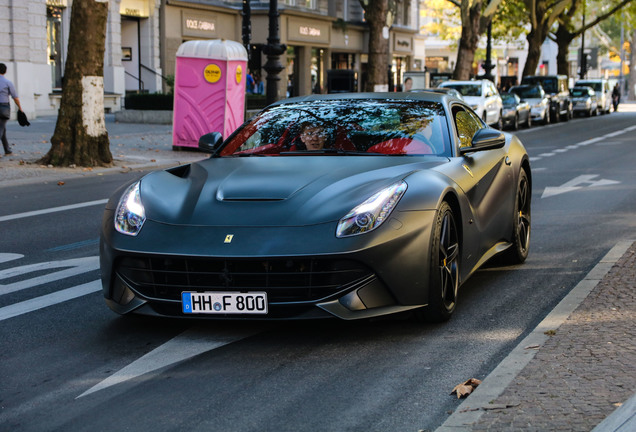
{"x": 7, "y": 91}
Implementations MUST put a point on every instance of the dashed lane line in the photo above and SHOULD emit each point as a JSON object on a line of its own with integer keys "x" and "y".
{"x": 52, "y": 210}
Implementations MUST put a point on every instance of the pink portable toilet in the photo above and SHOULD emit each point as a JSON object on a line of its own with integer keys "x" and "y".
{"x": 209, "y": 90}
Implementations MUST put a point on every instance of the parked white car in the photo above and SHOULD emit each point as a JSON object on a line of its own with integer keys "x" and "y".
{"x": 483, "y": 97}
{"x": 603, "y": 93}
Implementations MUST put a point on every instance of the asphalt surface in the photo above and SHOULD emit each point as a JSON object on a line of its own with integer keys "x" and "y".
{"x": 575, "y": 372}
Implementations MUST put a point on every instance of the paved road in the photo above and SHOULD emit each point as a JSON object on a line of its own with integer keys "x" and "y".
{"x": 110, "y": 373}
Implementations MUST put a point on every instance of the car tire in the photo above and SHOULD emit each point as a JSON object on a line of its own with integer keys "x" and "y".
{"x": 500, "y": 121}
{"x": 529, "y": 121}
{"x": 515, "y": 122}
{"x": 443, "y": 268}
{"x": 521, "y": 222}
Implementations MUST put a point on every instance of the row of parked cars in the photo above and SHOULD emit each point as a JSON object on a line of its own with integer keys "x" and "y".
{"x": 538, "y": 99}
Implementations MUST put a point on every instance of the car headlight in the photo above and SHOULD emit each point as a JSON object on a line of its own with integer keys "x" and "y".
{"x": 130, "y": 214}
{"x": 370, "y": 214}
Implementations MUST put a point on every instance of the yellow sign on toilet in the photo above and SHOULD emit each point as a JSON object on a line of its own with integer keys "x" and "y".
{"x": 212, "y": 73}
{"x": 239, "y": 74}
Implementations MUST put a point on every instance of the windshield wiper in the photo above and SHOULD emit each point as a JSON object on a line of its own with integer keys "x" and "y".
{"x": 327, "y": 151}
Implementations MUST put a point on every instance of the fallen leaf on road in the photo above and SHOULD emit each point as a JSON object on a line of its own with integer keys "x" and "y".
{"x": 60, "y": 183}
{"x": 532, "y": 347}
{"x": 550, "y": 332}
{"x": 500, "y": 406}
{"x": 466, "y": 388}
{"x": 153, "y": 160}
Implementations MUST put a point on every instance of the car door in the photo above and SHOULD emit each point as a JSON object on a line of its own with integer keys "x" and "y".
{"x": 486, "y": 179}
{"x": 493, "y": 103}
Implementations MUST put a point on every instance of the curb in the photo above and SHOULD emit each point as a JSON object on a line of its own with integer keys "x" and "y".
{"x": 471, "y": 410}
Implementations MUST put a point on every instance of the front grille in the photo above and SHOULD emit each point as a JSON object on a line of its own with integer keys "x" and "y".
{"x": 284, "y": 280}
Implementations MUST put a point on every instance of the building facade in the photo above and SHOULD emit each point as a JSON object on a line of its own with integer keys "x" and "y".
{"x": 327, "y": 44}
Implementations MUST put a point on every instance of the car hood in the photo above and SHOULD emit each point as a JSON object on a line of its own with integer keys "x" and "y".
{"x": 272, "y": 191}
{"x": 474, "y": 100}
{"x": 533, "y": 101}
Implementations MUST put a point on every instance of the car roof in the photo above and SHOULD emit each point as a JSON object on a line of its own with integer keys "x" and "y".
{"x": 379, "y": 96}
{"x": 462, "y": 82}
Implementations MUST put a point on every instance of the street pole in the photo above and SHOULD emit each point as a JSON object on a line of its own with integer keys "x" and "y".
{"x": 247, "y": 27}
{"x": 583, "y": 63}
{"x": 273, "y": 49}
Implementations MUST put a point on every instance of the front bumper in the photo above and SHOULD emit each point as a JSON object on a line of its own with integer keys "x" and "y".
{"x": 362, "y": 276}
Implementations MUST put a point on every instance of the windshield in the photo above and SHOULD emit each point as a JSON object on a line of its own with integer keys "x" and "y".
{"x": 508, "y": 99}
{"x": 528, "y": 92}
{"x": 466, "y": 89}
{"x": 597, "y": 86}
{"x": 344, "y": 127}
{"x": 580, "y": 92}
{"x": 548, "y": 84}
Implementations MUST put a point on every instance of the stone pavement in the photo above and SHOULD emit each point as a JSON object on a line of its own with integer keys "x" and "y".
{"x": 574, "y": 372}
{"x": 575, "y": 369}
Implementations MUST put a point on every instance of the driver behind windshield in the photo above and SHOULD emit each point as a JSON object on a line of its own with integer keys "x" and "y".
{"x": 313, "y": 136}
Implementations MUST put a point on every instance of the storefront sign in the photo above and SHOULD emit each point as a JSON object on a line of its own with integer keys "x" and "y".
{"x": 402, "y": 44}
{"x": 308, "y": 31}
{"x": 198, "y": 25}
{"x": 134, "y": 8}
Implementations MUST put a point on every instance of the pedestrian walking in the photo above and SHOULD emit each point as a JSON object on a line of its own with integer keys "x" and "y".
{"x": 616, "y": 96}
{"x": 7, "y": 91}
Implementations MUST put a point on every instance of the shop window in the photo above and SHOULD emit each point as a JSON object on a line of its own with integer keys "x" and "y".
{"x": 309, "y": 4}
{"x": 54, "y": 44}
{"x": 342, "y": 61}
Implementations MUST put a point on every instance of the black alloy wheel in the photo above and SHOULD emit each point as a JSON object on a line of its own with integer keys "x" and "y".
{"x": 521, "y": 222}
{"x": 444, "y": 268}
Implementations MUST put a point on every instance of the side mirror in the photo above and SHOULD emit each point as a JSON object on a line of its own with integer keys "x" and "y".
{"x": 210, "y": 142}
{"x": 485, "y": 139}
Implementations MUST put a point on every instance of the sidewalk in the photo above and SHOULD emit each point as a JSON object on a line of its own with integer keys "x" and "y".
{"x": 134, "y": 146}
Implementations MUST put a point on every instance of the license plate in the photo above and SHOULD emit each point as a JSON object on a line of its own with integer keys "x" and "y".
{"x": 224, "y": 303}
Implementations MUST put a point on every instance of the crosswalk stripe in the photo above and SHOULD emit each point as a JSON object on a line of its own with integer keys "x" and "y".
{"x": 49, "y": 300}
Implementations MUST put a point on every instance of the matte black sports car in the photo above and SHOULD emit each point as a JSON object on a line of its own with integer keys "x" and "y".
{"x": 347, "y": 205}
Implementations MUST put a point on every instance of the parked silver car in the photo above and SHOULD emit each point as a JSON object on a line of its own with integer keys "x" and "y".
{"x": 538, "y": 100}
{"x": 584, "y": 100}
{"x": 603, "y": 93}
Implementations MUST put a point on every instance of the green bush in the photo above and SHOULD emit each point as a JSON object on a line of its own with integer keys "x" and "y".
{"x": 255, "y": 101}
{"x": 149, "y": 101}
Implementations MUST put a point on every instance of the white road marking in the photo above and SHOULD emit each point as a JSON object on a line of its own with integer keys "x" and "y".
{"x": 577, "y": 183}
{"x": 49, "y": 300}
{"x": 77, "y": 266}
{"x": 6, "y": 257}
{"x": 581, "y": 144}
{"x": 188, "y": 344}
{"x": 52, "y": 210}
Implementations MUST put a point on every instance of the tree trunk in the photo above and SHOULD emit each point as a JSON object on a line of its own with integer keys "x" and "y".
{"x": 535, "y": 39}
{"x": 378, "y": 65}
{"x": 563, "y": 39}
{"x": 80, "y": 135}
{"x": 468, "y": 41}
